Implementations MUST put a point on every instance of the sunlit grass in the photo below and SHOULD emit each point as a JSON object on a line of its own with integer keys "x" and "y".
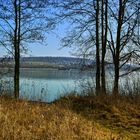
{"x": 70, "y": 118}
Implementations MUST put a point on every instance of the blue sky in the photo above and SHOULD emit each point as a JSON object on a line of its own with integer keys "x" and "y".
{"x": 52, "y": 47}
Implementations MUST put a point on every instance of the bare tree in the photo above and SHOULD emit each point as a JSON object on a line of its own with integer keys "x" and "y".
{"x": 104, "y": 26}
{"x": 98, "y": 87}
{"x": 123, "y": 18}
{"x": 22, "y": 22}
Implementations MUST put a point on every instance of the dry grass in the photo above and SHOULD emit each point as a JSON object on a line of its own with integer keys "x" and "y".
{"x": 70, "y": 118}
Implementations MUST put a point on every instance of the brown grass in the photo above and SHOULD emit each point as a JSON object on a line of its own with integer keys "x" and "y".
{"x": 70, "y": 118}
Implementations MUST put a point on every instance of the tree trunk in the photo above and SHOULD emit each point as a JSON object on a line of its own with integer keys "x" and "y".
{"x": 117, "y": 52}
{"x": 104, "y": 43}
{"x": 16, "y": 75}
{"x": 17, "y": 49}
{"x": 97, "y": 50}
{"x": 116, "y": 79}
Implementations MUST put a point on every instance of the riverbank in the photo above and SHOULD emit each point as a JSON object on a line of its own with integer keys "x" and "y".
{"x": 71, "y": 118}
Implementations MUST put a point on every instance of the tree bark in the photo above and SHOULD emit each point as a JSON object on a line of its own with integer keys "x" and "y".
{"x": 118, "y": 43}
{"x": 97, "y": 50}
{"x": 16, "y": 74}
{"x": 116, "y": 79}
{"x": 17, "y": 49}
{"x": 104, "y": 42}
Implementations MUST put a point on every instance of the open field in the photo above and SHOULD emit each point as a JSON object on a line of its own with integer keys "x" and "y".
{"x": 70, "y": 118}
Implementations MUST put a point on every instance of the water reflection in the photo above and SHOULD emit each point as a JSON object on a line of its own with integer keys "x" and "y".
{"x": 48, "y": 84}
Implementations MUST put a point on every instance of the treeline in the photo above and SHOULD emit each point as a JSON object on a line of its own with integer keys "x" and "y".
{"x": 48, "y": 60}
{"x": 58, "y": 60}
{"x": 104, "y": 30}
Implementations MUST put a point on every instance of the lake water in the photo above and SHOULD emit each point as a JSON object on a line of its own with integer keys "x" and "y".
{"x": 48, "y": 85}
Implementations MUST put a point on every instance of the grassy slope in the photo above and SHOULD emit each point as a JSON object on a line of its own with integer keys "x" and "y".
{"x": 70, "y": 118}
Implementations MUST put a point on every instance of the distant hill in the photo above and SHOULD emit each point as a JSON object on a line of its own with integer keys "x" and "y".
{"x": 58, "y": 60}
{"x": 49, "y": 61}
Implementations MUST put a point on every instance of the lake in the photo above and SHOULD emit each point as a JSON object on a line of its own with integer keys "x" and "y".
{"x": 47, "y": 85}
